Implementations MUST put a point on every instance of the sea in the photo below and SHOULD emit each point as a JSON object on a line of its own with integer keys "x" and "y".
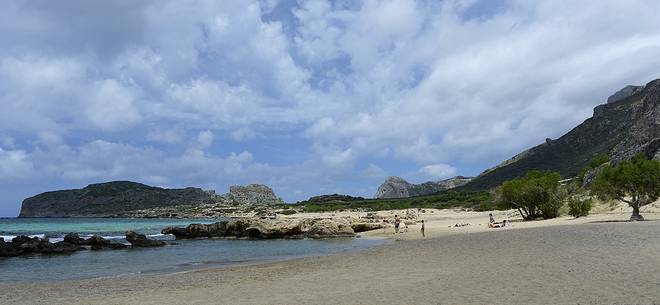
{"x": 183, "y": 255}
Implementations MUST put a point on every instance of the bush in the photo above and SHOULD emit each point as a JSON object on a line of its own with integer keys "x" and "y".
{"x": 579, "y": 207}
{"x": 535, "y": 195}
{"x": 550, "y": 209}
{"x": 288, "y": 212}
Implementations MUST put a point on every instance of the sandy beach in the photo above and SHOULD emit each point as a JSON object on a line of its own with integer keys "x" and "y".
{"x": 559, "y": 261}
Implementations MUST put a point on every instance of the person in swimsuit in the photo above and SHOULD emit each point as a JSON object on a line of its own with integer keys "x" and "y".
{"x": 493, "y": 224}
{"x": 397, "y": 223}
{"x": 423, "y": 229}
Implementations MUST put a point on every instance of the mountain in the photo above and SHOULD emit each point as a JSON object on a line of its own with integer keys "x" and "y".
{"x": 395, "y": 187}
{"x": 126, "y": 198}
{"x": 107, "y": 199}
{"x": 627, "y": 125}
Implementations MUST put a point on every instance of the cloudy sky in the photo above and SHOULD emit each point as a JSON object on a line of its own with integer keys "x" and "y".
{"x": 308, "y": 97}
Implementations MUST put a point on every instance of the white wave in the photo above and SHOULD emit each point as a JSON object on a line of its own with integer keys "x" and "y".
{"x": 10, "y": 237}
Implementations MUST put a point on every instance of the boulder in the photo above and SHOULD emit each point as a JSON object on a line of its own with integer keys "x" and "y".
{"x": 198, "y": 230}
{"x": 74, "y": 238}
{"x": 266, "y": 229}
{"x": 366, "y": 226}
{"x": 329, "y": 228}
{"x": 141, "y": 241}
{"x": 6, "y": 249}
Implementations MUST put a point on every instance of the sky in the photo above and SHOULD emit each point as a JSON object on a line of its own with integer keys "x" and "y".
{"x": 307, "y": 97}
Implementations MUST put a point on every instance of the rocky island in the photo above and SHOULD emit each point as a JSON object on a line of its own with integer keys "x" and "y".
{"x": 132, "y": 199}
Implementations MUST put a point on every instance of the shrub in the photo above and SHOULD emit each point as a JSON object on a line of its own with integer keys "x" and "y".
{"x": 578, "y": 207}
{"x": 288, "y": 212}
{"x": 535, "y": 195}
{"x": 550, "y": 208}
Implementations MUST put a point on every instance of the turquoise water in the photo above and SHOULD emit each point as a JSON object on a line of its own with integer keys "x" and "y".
{"x": 184, "y": 255}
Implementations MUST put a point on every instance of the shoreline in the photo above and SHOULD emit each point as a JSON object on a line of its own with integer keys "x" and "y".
{"x": 447, "y": 269}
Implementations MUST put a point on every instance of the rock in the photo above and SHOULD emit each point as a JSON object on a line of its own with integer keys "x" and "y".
{"x": 366, "y": 226}
{"x": 6, "y": 249}
{"x": 197, "y": 230}
{"x": 330, "y": 228}
{"x": 267, "y": 228}
{"x": 74, "y": 238}
{"x": 395, "y": 187}
{"x": 624, "y": 93}
{"x": 100, "y": 243}
{"x": 61, "y": 247}
{"x": 253, "y": 194}
{"x": 141, "y": 241}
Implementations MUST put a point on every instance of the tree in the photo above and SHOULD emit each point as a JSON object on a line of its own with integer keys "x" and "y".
{"x": 635, "y": 182}
{"x": 535, "y": 195}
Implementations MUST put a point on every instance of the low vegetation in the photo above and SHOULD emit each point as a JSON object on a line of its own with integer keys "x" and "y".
{"x": 579, "y": 207}
{"x": 477, "y": 200}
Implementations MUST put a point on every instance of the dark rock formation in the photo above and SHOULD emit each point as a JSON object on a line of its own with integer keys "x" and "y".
{"x": 24, "y": 245}
{"x": 141, "y": 241}
{"x": 366, "y": 226}
{"x": 395, "y": 187}
{"x": 268, "y": 228}
{"x": 110, "y": 199}
{"x": 628, "y": 125}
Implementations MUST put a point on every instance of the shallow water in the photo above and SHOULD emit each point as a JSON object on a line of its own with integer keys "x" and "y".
{"x": 185, "y": 255}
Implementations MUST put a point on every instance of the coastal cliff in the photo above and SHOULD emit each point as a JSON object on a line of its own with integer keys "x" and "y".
{"x": 627, "y": 125}
{"x": 107, "y": 199}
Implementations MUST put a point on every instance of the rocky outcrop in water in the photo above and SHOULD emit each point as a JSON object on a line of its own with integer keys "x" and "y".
{"x": 25, "y": 245}
{"x": 141, "y": 241}
{"x": 273, "y": 228}
{"x": 626, "y": 126}
{"x": 395, "y": 187}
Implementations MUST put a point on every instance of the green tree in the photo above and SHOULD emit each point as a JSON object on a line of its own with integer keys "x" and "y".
{"x": 535, "y": 195}
{"x": 635, "y": 182}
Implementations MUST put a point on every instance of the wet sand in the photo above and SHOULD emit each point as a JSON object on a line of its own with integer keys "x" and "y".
{"x": 592, "y": 263}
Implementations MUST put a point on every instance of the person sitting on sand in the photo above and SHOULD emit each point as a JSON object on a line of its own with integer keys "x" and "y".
{"x": 493, "y": 224}
{"x": 397, "y": 223}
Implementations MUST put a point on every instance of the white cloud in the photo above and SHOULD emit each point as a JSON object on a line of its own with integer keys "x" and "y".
{"x": 337, "y": 86}
{"x": 438, "y": 171}
{"x": 14, "y": 165}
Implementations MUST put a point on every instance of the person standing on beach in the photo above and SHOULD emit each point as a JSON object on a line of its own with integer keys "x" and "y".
{"x": 423, "y": 235}
{"x": 397, "y": 223}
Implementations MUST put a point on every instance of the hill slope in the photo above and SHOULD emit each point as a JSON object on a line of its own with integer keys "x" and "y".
{"x": 395, "y": 187}
{"x": 629, "y": 124}
{"x": 107, "y": 199}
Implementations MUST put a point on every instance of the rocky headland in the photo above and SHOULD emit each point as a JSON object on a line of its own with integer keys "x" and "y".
{"x": 131, "y": 199}
{"x": 395, "y": 187}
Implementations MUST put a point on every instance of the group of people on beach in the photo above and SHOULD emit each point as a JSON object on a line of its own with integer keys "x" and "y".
{"x": 397, "y": 226}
